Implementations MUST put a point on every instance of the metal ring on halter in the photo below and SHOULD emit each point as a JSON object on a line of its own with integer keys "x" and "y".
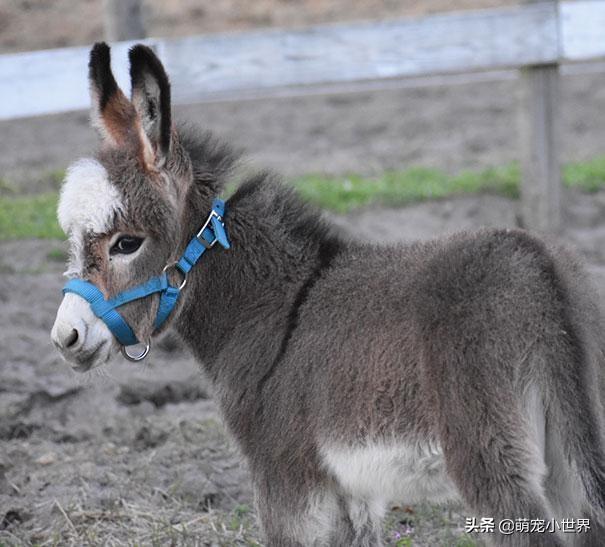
{"x": 136, "y": 358}
{"x": 175, "y": 266}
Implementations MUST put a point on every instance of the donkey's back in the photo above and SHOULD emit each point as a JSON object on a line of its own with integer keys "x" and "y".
{"x": 465, "y": 368}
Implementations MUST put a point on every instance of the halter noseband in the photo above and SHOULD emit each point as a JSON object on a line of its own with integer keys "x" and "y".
{"x": 211, "y": 232}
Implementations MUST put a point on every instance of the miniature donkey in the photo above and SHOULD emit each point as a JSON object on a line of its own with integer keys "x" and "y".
{"x": 466, "y": 368}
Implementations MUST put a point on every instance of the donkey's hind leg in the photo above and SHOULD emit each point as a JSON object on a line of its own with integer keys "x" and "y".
{"x": 499, "y": 475}
{"x": 574, "y": 457}
{"x": 565, "y": 492}
{"x": 492, "y": 444}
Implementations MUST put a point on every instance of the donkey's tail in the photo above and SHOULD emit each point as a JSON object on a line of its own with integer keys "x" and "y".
{"x": 513, "y": 355}
{"x": 574, "y": 411}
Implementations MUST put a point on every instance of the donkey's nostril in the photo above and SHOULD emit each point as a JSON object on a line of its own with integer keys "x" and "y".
{"x": 71, "y": 339}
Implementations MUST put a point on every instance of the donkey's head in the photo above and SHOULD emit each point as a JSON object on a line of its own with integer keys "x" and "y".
{"x": 123, "y": 209}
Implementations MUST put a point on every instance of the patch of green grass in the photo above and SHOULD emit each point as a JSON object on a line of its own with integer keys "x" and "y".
{"x": 35, "y": 215}
{"x": 29, "y": 216}
{"x": 425, "y": 524}
{"x": 396, "y": 188}
{"x": 588, "y": 176}
{"x": 240, "y": 518}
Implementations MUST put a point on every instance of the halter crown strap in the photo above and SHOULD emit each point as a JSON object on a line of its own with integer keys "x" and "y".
{"x": 212, "y": 231}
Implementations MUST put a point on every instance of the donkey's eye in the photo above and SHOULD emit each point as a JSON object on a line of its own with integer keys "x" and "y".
{"x": 126, "y": 245}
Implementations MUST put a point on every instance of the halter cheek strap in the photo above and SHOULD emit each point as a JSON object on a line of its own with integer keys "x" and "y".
{"x": 212, "y": 231}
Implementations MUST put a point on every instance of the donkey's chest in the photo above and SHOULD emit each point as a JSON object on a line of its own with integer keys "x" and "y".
{"x": 397, "y": 472}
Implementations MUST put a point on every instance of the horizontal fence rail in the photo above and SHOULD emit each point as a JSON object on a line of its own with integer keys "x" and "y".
{"x": 256, "y": 63}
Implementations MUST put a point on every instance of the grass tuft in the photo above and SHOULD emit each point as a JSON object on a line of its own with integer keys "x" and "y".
{"x": 396, "y": 188}
{"x": 588, "y": 176}
{"x": 29, "y": 216}
{"x": 34, "y": 216}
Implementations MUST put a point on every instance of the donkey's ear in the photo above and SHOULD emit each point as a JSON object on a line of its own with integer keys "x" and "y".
{"x": 112, "y": 113}
{"x": 151, "y": 99}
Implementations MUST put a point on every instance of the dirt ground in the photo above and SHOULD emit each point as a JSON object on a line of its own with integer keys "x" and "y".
{"x": 137, "y": 454}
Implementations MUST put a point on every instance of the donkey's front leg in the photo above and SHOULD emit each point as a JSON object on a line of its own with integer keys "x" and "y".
{"x": 362, "y": 523}
{"x": 292, "y": 514}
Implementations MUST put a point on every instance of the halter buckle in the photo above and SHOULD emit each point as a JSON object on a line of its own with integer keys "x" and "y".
{"x": 199, "y": 236}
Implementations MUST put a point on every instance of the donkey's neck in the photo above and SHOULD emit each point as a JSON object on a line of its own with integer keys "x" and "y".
{"x": 240, "y": 306}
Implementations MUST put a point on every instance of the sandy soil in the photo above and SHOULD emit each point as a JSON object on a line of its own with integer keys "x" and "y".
{"x": 138, "y": 453}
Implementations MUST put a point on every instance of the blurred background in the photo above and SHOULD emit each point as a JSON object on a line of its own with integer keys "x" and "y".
{"x": 39, "y": 24}
{"x": 137, "y": 454}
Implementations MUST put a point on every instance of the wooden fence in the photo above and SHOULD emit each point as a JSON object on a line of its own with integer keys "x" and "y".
{"x": 534, "y": 37}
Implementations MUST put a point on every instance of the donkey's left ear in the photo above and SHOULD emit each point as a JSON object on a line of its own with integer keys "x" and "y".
{"x": 151, "y": 99}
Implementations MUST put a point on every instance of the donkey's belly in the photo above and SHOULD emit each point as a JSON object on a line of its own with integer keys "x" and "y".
{"x": 394, "y": 472}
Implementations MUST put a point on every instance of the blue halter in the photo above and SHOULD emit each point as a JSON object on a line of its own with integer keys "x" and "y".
{"x": 211, "y": 232}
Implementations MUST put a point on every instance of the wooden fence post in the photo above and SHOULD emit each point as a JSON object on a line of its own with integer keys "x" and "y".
{"x": 539, "y": 139}
{"x": 123, "y": 20}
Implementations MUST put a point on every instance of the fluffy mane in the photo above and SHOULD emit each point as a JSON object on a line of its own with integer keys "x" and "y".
{"x": 264, "y": 192}
{"x": 212, "y": 159}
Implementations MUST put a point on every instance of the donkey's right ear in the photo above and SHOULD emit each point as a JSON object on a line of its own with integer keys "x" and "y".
{"x": 112, "y": 113}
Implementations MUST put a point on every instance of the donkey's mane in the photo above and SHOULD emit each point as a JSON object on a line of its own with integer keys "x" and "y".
{"x": 212, "y": 159}
{"x": 214, "y": 162}
{"x": 265, "y": 208}
{"x": 281, "y": 206}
